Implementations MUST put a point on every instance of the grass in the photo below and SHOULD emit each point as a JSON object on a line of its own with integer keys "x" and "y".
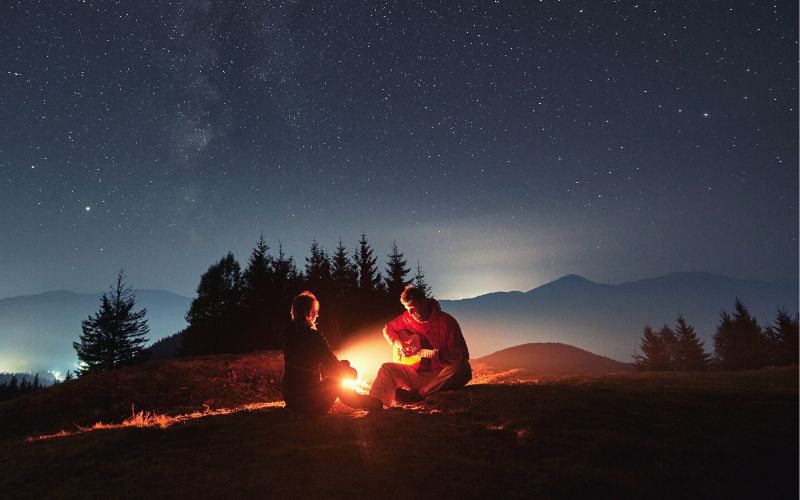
{"x": 634, "y": 435}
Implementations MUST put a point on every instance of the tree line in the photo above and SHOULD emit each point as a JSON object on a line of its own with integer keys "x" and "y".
{"x": 14, "y": 387}
{"x": 243, "y": 310}
{"x": 740, "y": 343}
{"x": 239, "y": 310}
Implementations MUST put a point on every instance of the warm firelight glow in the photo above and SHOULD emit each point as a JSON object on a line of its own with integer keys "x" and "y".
{"x": 366, "y": 355}
{"x": 150, "y": 419}
{"x": 359, "y": 385}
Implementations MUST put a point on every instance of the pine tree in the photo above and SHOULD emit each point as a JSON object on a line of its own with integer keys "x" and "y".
{"x": 36, "y": 382}
{"x": 368, "y": 277}
{"x": 257, "y": 278}
{"x": 116, "y": 335}
{"x": 739, "y": 342}
{"x": 318, "y": 267}
{"x": 690, "y": 355}
{"x": 783, "y": 339}
{"x": 670, "y": 341}
{"x": 419, "y": 281}
{"x": 284, "y": 271}
{"x": 655, "y": 352}
{"x": 257, "y": 301}
{"x": 396, "y": 272}
{"x": 343, "y": 272}
{"x": 213, "y": 314}
{"x": 218, "y": 293}
{"x": 68, "y": 376}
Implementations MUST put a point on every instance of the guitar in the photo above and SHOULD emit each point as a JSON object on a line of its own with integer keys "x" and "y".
{"x": 421, "y": 356}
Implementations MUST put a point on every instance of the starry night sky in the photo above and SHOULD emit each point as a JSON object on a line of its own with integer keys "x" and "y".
{"x": 502, "y": 144}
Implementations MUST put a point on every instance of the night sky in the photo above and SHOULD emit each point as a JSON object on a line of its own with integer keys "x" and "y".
{"x": 502, "y": 144}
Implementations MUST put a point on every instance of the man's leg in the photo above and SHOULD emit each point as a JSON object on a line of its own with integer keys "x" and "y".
{"x": 392, "y": 376}
{"x": 452, "y": 376}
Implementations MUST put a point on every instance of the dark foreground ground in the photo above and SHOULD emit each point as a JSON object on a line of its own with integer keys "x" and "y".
{"x": 510, "y": 435}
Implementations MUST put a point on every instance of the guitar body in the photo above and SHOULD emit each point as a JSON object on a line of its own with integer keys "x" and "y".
{"x": 419, "y": 360}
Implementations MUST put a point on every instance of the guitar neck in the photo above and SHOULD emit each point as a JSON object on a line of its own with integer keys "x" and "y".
{"x": 426, "y": 353}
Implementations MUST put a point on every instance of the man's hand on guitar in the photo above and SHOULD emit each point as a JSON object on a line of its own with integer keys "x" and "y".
{"x": 411, "y": 346}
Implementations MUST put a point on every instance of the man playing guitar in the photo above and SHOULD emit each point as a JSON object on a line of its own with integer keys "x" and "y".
{"x": 430, "y": 352}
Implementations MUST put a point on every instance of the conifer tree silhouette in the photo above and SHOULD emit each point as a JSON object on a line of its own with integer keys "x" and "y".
{"x": 114, "y": 336}
{"x": 690, "y": 355}
{"x": 655, "y": 354}
{"x": 739, "y": 342}
{"x": 368, "y": 277}
{"x": 396, "y": 272}
{"x": 782, "y": 339}
{"x": 419, "y": 281}
{"x": 343, "y": 272}
{"x": 213, "y": 313}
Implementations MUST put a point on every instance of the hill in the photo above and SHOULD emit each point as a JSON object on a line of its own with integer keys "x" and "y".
{"x": 219, "y": 431}
{"x": 552, "y": 358}
{"x": 38, "y": 330}
{"x": 608, "y": 319}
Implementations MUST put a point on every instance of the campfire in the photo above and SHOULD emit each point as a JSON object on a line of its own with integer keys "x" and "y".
{"x": 366, "y": 356}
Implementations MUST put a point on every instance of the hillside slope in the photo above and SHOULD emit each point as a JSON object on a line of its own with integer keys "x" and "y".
{"x": 550, "y": 357}
{"x": 632, "y": 435}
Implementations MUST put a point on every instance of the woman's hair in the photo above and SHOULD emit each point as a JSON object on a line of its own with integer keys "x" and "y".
{"x": 412, "y": 294}
{"x": 302, "y": 305}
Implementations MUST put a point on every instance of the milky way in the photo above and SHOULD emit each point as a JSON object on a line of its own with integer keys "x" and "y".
{"x": 501, "y": 144}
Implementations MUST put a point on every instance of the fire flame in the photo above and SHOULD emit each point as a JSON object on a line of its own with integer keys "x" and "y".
{"x": 357, "y": 384}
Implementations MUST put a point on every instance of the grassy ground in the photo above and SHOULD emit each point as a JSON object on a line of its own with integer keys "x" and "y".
{"x": 716, "y": 435}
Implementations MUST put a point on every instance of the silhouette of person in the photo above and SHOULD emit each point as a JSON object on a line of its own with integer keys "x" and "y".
{"x": 425, "y": 332}
{"x": 313, "y": 376}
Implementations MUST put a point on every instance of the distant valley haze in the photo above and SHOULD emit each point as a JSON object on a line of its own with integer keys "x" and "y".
{"x": 37, "y": 331}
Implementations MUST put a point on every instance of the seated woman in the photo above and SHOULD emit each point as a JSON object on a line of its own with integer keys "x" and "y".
{"x": 312, "y": 378}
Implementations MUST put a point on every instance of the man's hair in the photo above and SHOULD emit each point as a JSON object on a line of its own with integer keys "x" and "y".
{"x": 412, "y": 294}
{"x": 303, "y": 304}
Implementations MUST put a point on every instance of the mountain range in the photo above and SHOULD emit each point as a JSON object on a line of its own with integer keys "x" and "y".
{"x": 37, "y": 331}
{"x": 608, "y": 319}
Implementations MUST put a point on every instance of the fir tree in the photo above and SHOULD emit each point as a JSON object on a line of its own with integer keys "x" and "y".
{"x": 212, "y": 315}
{"x": 419, "y": 281}
{"x": 257, "y": 277}
{"x": 114, "y": 336}
{"x": 690, "y": 355}
{"x": 343, "y": 272}
{"x": 396, "y": 272}
{"x": 670, "y": 341}
{"x": 782, "y": 339}
{"x": 68, "y": 376}
{"x": 655, "y": 352}
{"x": 739, "y": 342}
{"x": 369, "y": 279}
{"x": 284, "y": 271}
{"x": 257, "y": 301}
{"x": 318, "y": 267}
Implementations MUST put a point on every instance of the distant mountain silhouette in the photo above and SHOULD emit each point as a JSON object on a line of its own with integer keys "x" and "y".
{"x": 37, "y": 331}
{"x": 550, "y": 357}
{"x": 608, "y": 319}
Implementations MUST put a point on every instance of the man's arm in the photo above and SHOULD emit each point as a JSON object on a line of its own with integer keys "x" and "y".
{"x": 399, "y": 337}
{"x": 456, "y": 345}
{"x": 394, "y": 333}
